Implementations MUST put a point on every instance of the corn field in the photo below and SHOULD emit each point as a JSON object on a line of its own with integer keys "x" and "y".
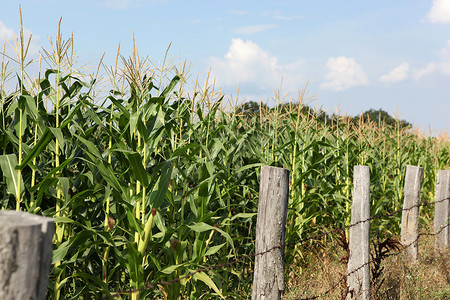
{"x": 149, "y": 178}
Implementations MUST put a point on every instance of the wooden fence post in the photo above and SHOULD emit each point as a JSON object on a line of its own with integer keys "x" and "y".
{"x": 25, "y": 255}
{"x": 410, "y": 213}
{"x": 268, "y": 280}
{"x": 441, "y": 209}
{"x": 358, "y": 280}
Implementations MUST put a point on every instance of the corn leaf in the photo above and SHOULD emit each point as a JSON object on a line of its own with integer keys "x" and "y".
{"x": 13, "y": 180}
{"x": 209, "y": 282}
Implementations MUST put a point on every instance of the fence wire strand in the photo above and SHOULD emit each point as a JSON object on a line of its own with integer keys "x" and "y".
{"x": 152, "y": 285}
{"x": 344, "y": 277}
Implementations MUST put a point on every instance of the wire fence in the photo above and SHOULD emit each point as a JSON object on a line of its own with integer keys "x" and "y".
{"x": 344, "y": 277}
{"x": 243, "y": 258}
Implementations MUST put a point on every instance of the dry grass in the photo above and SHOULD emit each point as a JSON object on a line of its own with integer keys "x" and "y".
{"x": 318, "y": 271}
{"x": 321, "y": 270}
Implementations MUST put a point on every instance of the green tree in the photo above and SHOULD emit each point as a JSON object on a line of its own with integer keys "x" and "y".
{"x": 251, "y": 108}
{"x": 305, "y": 110}
{"x": 381, "y": 117}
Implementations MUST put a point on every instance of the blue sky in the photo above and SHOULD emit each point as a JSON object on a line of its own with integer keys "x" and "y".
{"x": 354, "y": 55}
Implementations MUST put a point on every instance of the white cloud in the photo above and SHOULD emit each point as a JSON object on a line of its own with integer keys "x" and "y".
{"x": 254, "y": 29}
{"x": 246, "y": 62}
{"x": 9, "y": 40}
{"x": 428, "y": 69}
{"x": 439, "y": 12}
{"x": 5, "y": 32}
{"x": 7, "y": 35}
{"x": 343, "y": 74}
{"x": 398, "y": 74}
{"x": 442, "y": 65}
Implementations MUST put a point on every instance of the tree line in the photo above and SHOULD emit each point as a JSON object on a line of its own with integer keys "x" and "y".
{"x": 378, "y": 117}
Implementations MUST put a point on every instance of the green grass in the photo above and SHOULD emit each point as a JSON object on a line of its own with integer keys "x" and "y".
{"x": 150, "y": 178}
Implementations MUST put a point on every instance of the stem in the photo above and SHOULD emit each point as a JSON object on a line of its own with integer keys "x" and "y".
{"x": 19, "y": 172}
{"x": 22, "y": 58}
{"x": 33, "y": 172}
{"x": 143, "y": 188}
{"x": 138, "y": 203}
{"x": 58, "y": 54}
{"x": 106, "y": 224}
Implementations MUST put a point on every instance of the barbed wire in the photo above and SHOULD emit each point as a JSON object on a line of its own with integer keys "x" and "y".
{"x": 152, "y": 285}
{"x": 340, "y": 229}
{"x": 344, "y": 277}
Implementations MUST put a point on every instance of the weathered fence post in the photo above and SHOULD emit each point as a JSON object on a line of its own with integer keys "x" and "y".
{"x": 25, "y": 255}
{"x": 410, "y": 213}
{"x": 268, "y": 280}
{"x": 441, "y": 209}
{"x": 358, "y": 280}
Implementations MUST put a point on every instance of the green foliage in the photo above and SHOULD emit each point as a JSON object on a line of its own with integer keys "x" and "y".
{"x": 379, "y": 117}
{"x": 251, "y": 108}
